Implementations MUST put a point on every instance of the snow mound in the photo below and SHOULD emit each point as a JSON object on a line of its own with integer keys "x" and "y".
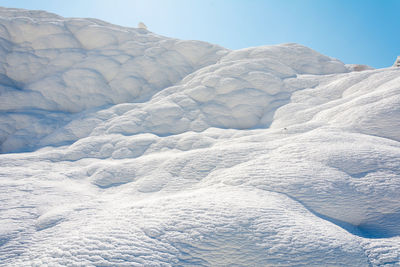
{"x": 151, "y": 151}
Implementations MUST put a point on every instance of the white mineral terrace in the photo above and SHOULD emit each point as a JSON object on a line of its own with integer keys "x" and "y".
{"x": 121, "y": 147}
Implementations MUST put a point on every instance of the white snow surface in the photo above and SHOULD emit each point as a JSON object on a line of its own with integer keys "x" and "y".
{"x": 121, "y": 147}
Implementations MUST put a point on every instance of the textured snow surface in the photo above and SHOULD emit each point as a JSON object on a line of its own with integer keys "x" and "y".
{"x": 141, "y": 150}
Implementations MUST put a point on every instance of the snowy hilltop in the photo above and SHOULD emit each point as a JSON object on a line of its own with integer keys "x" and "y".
{"x": 120, "y": 147}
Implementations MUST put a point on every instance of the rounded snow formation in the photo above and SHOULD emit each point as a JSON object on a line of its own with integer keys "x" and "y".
{"x": 141, "y": 150}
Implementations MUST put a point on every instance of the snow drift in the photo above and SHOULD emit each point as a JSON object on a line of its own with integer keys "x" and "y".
{"x": 137, "y": 149}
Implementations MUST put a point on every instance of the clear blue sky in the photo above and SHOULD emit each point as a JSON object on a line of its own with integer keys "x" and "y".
{"x": 354, "y": 31}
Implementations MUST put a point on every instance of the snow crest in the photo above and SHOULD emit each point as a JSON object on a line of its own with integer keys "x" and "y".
{"x": 141, "y": 150}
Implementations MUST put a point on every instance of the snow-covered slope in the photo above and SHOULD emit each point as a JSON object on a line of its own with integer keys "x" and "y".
{"x": 151, "y": 151}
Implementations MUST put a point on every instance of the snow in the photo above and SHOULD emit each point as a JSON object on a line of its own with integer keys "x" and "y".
{"x": 125, "y": 148}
